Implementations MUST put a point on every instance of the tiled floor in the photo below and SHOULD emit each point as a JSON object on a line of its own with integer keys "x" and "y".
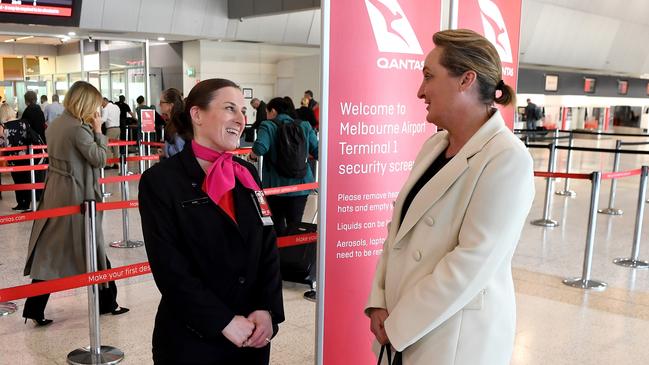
{"x": 556, "y": 324}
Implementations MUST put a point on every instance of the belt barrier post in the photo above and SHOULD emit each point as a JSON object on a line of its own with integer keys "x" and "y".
{"x": 585, "y": 282}
{"x": 125, "y": 242}
{"x": 634, "y": 262}
{"x": 96, "y": 353}
{"x": 104, "y": 194}
{"x": 549, "y": 186}
{"x": 148, "y": 149}
{"x": 611, "y": 199}
{"x": 32, "y": 176}
{"x": 140, "y": 151}
{"x": 260, "y": 165}
{"x": 566, "y": 184}
{"x": 7, "y": 308}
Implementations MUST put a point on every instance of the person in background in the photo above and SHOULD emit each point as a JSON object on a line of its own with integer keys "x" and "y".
{"x": 309, "y": 95}
{"x": 53, "y": 110}
{"x": 443, "y": 291}
{"x": 260, "y": 107}
{"x": 306, "y": 113}
{"x": 291, "y": 111}
{"x": 77, "y": 150}
{"x": 124, "y": 108}
{"x": 33, "y": 115}
{"x": 211, "y": 247}
{"x": 44, "y": 102}
{"x": 110, "y": 118}
{"x": 140, "y": 106}
{"x": 288, "y": 208}
{"x": 530, "y": 115}
{"x": 6, "y": 114}
{"x": 172, "y": 108}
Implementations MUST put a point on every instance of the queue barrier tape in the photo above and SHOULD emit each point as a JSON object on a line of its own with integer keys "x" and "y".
{"x": 22, "y": 157}
{"x": 22, "y": 187}
{"x": 562, "y": 175}
{"x": 72, "y": 282}
{"x": 620, "y": 174}
{"x": 40, "y": 214}
{"x": 290, "y": 188}
{"x": 22, "y": 148}
{"x": 23, "y": 168}
{"x": 154, "y": 144}
{"x": 118, "y": 273}
{"x": 121, "y": 143}
{"x": 128, "y": 204}
{"x": 114, "y": 179}
{"x": 111, "y": 161}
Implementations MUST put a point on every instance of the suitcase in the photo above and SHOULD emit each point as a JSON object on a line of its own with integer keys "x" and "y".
{"x": 298, "y": 263}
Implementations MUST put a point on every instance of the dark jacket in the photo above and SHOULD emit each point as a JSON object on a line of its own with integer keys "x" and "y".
{"x": 207, "y": 268}
{"x": 261, "y": 115}
{"x": 36, "y": 119}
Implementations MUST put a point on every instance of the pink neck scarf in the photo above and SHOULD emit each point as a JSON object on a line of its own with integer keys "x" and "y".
{"x": 220, "y": 177}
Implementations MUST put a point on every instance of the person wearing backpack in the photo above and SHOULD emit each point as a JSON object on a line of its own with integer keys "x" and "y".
{"x": 286, "y": 144}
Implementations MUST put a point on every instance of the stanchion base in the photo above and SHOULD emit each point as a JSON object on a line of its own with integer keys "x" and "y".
{"x": 566, "y": 193}
{"x": 611, "y": 211}
{"x": 634, "y": 264}
{"x": 109, "y": 355}
{"x": 127, "y": 244}
{"x": 7, "y": 308}
{"x": 586, "y": 284}
{"x": 545, "y": 223}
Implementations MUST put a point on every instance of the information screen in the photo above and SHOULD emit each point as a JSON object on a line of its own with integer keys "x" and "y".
{"x": 46, "y": 12}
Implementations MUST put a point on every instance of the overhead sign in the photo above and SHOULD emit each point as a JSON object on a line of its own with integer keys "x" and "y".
{"x": 47, "y": 12}
{"x": 498, "y": 21}
{"x": 147, "y": 120}
{"x": 375, "y": 125}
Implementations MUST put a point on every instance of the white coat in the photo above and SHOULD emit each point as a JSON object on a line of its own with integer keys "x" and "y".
{"x": 445, "y": 273}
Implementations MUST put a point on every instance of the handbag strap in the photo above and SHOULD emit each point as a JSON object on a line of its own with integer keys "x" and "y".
{"x": 388, "y": 351}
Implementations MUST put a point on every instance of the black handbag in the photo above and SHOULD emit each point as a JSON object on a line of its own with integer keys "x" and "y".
{"x": 387, "y": 349}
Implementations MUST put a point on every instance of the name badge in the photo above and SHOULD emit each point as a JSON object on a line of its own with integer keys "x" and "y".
{"x": 263, "y": 209}
{"x": 195, "y": 202}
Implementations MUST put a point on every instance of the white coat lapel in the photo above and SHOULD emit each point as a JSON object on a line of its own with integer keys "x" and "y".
{"x": 444, "y": 179}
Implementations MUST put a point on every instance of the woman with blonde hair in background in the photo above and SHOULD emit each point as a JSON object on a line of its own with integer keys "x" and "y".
{"x": 443, "y": 292}
{"x": 77, "y": 150}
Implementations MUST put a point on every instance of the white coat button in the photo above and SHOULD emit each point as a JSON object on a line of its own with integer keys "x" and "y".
{"x": 416, "y": 255}
{"x": 429, "y": 220}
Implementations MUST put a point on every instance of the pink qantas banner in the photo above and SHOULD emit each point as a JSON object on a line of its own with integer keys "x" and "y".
{"x": 499, "y": 21}
{"x": 376, "y": 125}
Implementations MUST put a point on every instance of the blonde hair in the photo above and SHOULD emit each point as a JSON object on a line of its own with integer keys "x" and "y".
{"x": 82, "y": 101}
{"x": 7, "y": 113}
{"x": 465, "y": 50}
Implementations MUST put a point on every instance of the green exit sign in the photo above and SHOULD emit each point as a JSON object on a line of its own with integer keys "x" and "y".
{"x": 191, "y": 72}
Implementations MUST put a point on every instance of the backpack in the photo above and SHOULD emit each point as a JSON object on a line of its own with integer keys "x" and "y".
{"x": 291, "y": 149}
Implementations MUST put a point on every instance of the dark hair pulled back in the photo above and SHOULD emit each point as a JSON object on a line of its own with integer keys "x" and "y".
{"x": 279, "y": 105}
{"x": 175, "y": 98}
{"x": 200, "y": 96}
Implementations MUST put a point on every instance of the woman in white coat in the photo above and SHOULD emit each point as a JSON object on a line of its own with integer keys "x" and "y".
{"x": 443, "y": 291}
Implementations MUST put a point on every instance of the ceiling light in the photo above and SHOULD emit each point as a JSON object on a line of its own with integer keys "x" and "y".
{"x": 72, "y": 34}
{"x": 23, "y": 38}
{"x": 161, "y": 39}
{"x": 9, "y": 40}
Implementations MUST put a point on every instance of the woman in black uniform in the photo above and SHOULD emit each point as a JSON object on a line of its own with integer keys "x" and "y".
{"x": 210, "y": 241}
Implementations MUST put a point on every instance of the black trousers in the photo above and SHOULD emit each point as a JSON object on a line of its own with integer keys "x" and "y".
{"x": 35, "y": 306}
{"x": 287, "y": 211}
{"x": 24, "y": 197}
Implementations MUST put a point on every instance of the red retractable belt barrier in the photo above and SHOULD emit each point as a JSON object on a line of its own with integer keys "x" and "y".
{"x": 22, "y": 187}
{"x": 300, "y": 239}
{"x": 154, "y": 144}
{"x": 133, "y": 158}
{"x": 114, "y": 179}
{"x": 40, "y": 214}
{"x": 23, "y": 168}
{"x": 12, "y": 149}
{"x": 620, "y": 174}
{"x": 121, "y": 143}
{"x": 290, "y": 188}
{"x": 22, "y": 157}
{"x": 562, "y": 175}
{"x": 75, "y": 281}
{"x": 117, "y": 205}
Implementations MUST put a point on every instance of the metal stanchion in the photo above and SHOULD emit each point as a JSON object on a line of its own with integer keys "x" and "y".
{"x": 148, "y": 149}
{"x": 125, "y": 242}
{"x": 32, "y": 176}
{"x": 634, "y": 262}
{"x": 140, "y": 150}
{"x": 549, "y": 186}
{"x": 585, "y": 282}
{"x": 566, "y": 184}
{"x": 260, "y": 165}
{"x": 611, "y": 199}
{"x": 95, "y": 353}
{"x": 104, "y": 194}
{"x": 7, "y": 308}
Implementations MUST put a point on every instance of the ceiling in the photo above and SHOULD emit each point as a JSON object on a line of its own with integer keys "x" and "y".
{"x": 603, "y": 36}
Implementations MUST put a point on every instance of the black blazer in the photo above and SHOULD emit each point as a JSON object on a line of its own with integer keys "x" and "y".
{"x": 36, "y": 119}
{"x": 207, "y": 268}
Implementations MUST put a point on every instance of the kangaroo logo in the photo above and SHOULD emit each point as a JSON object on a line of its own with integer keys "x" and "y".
{"x": 495, "y": 30}
{"x": 392, "y": 31}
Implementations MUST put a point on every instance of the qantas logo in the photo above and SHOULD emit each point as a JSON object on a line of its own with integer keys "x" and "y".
{"x": 392, "y": 31}
{"x": 495, "y": 30}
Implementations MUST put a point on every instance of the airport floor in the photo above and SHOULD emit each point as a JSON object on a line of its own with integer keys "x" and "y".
{"x": 556, "y": 324}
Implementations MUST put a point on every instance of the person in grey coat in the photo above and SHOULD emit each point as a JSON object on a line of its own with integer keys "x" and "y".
{"x": 77, "y": 150}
